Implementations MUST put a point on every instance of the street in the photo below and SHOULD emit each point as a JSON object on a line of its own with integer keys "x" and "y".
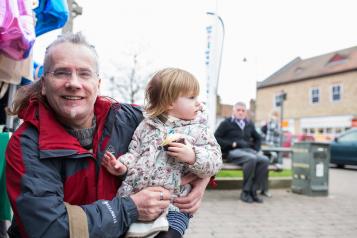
{"x": 286, "y": 214}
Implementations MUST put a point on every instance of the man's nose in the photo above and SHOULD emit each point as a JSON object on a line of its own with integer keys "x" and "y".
{"x": 74, "y": 80}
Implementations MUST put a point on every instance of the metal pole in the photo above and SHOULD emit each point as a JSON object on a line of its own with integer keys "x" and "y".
{"x": 74, "y": 10}
{"x": 281, "y": 123}
{"x": 213, "y": 78}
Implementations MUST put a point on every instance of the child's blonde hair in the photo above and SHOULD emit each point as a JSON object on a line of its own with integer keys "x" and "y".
{"x": 166, "y": 86}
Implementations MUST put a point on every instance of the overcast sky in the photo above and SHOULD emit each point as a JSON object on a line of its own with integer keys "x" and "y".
{"x": 268, "y": 34}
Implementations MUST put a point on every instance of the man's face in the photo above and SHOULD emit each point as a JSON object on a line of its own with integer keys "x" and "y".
{"x": 71, "y": 86}
{"x": 239, "y": 112}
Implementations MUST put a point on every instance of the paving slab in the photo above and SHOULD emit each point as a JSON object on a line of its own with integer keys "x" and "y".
{"x": 284, "y": 215}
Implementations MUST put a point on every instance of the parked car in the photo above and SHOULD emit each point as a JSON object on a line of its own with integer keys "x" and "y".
{"x": 289, "y": 139}
{"x": 344, "y": 148}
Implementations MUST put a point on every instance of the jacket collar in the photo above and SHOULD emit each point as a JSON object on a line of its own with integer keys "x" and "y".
{"x": 52, "y": 135}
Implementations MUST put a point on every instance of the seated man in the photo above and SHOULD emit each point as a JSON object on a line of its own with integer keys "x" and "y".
{"x": 239, "y": 139}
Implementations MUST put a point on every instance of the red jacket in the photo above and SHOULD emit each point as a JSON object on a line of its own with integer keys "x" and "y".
{"x": 47, "y": 166}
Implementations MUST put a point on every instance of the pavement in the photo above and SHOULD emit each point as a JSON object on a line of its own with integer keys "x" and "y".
{"x": 284, "y": 215}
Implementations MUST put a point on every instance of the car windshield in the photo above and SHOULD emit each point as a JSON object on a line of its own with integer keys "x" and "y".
{"x": 349, "y": 137}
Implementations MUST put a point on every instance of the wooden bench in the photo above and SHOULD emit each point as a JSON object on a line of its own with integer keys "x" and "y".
{"x": 231, "y": 166}
{"x": 279, "y": 150}
{"x": 265, "y": 149}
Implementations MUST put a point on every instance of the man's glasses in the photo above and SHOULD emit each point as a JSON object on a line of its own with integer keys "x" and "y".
{"x": 63, "y": 74}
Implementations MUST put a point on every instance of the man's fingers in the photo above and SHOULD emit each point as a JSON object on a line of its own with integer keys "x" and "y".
{"x": 192, "y": 209}
{"x": 155, "y": 189}
{"x": 187, "y": 204}
{"x": 160, "y": 193}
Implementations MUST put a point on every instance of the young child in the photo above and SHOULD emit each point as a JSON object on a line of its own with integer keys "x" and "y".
{"x": 172, "y": 141}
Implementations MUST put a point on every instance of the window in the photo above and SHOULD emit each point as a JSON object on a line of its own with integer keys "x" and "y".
{"x": 277, "y": 101}
{"x": 336, "y": 93}
{"x": 315, "y": 95}
{"x": 280, "y": 97}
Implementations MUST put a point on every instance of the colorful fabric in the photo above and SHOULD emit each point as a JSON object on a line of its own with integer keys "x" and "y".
{"x": 50, "y": 15}
{"x": 11, "y": 71}
{"x": 37, "y": 71}
{"x": 17, "y": 32}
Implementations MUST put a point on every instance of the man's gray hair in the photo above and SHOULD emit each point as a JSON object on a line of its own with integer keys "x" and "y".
{"x": 74, "y": 38}
{"x": 242, "y": 104}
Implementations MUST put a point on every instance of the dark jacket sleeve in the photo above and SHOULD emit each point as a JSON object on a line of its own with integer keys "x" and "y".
{"x": 257, "y": 140}
{"x": 35, "y": 190}
{"x": 220, "y": 134}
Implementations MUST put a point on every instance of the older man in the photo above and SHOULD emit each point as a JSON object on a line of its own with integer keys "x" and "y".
{"x": 241, "y": 143}
{"x": 54, "y": 177}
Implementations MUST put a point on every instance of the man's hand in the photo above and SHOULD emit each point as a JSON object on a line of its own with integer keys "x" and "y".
{"x": 151, "y": 202}
{"x": 192, "y": 201}
{"x": 182, "y": 152}
{"x": 113, "y": 165}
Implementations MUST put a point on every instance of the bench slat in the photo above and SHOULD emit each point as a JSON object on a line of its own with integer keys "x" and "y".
{"x": 231, "y": 166}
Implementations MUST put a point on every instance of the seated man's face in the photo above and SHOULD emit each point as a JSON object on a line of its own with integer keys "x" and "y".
{"x": 72, "y": 85}
{"x": 240, "y": 112}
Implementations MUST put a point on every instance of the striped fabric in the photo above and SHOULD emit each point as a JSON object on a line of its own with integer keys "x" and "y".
{"x": 178, "y": 221}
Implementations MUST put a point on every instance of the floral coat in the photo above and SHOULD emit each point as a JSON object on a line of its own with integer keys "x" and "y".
{"x": 148, "y": 164}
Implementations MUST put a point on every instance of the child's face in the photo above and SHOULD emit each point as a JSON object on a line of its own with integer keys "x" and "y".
{"x": 185, "y": 107}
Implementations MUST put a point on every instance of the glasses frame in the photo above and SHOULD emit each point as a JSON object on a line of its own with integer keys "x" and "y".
{"x": 69, "y": 74}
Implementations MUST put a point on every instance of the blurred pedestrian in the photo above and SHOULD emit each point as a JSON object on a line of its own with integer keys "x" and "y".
{"x": 273, "y": 131}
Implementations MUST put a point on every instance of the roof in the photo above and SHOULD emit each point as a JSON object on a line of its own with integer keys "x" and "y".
{"x": 323, "y": 65}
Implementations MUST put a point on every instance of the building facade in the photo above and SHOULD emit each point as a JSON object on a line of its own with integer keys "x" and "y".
{"x": 320, "y": 95}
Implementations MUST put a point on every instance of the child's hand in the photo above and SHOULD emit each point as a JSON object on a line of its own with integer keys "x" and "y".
{"x": 113, "y": 165}
{"x": 182, "y": 152}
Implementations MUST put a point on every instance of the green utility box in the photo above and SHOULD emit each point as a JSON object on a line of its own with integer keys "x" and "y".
{"x": 310, "y": 167}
